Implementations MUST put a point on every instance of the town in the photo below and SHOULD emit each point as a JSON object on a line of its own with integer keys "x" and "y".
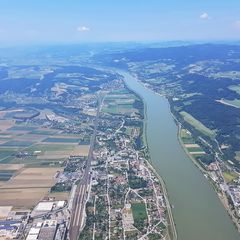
{"x": 126, "y": 199}
{"x": 84, "y": 170}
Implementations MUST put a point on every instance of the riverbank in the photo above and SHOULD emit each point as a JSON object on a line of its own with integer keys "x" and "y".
{"x": 221, "y": 195}
{"x": 172, "y": 232}
{"x": 186, "y": 151}
{"x": 195, "y": 203}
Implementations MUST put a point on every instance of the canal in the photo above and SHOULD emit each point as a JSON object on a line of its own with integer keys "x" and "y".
{"x": 198, "y": 212}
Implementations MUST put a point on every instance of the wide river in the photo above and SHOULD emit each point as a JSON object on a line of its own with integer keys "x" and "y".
{"x": 198, "y": 213}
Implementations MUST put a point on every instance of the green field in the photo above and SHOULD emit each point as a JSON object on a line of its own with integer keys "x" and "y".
{"x": 110, "y": 109}
{"x": 22, "y": 128}
{"x": 17, "y": 144}
{"x": 10, "y": 159}
{"x": 197, "y": 124}
{"x": 120, "y": 102}
{"x": 186, "y": 137}
{"x": 187, "y": 140}
{"x": 5, "y": 175}
{"x": 120, "y": 91}
{"x": 116, "y": 101}
{"x": 43, "y": 132}
{"x": 5, "y": 153}
{"x": 154, "y": 236}
{"x": 61, "y": 140}
{"x": 234, "y": 75}
{"x": 84, "y": 141}
{"x": 234, "y": 103}
{"x": 195, "y": 149}
{"x": 139, "y": 211}
{"x": 235, "y": 88}
{"x": 5, "y": 138}
{"x": 31, "y": 160}
{"x": 50, "y": 147}
{"x": 119, "y": 109}
{"x": 230, "y": 176}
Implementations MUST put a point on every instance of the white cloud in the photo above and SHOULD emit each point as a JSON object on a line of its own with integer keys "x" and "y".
{"x": 204, "y": 16}
{"x": 83, "y": 29}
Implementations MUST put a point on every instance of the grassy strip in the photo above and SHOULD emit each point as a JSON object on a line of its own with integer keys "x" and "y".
{"x": 197, "y": 124}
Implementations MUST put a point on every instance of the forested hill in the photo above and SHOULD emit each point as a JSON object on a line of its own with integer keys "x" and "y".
{"x": 202, "y": 83}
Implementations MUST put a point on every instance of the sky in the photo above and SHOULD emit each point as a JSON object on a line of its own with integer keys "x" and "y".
{"x": 76, "y": 21}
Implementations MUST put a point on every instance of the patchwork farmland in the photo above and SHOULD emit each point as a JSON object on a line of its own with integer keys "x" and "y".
{"x": 31, "y": 157}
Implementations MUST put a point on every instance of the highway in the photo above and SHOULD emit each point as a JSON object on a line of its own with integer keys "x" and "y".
{"x": 80, "y": 198}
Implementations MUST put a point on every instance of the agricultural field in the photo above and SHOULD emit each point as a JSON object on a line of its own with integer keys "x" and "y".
{"x": 81, "y": 150}
{"x": 5, "y": 124}
{"x": 22, "y": 128}
{"x": 27, "y": 186}
{"x": 194, "y": 149}
{"x": 120, "y": 102}
{"x": 189, "y": 144}
{"x": 186, "y": 137}
{"x": 6, "y": 153}
{"x": 17, "y": 144}
{"x": 5, "y": 175}
{"x": 42, "y": 124}
{"x": 30, "y": 159}
{"x": 42, "y": 146}
{"x": 14, "y": 167}
{"x": 23, "y": 197}
{"x": 61, "y": 140}
{"x": 32, "y": 178}
{"x": 197, "y": 124}
{"x": 59, "y": 196}
{"x": 234, "y": 103}
{"x": 43, "y": 131}
{"x": 234, "y": 75}
{"x": 235, "y": 88}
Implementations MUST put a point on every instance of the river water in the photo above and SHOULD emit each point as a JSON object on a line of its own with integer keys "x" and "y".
{"x": 198, "y": 213}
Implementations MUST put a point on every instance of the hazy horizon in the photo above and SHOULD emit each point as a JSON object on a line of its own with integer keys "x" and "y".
{"x": 71, "y": 22}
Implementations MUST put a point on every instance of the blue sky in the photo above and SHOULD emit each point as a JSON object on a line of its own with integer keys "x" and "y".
{"x": 67, "y": 21}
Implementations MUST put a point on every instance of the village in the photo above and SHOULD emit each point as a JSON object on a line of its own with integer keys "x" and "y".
{"x": 126, "y": 200}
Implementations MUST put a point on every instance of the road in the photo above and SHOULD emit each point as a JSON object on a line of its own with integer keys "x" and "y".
{"x": 80, "y": 198}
